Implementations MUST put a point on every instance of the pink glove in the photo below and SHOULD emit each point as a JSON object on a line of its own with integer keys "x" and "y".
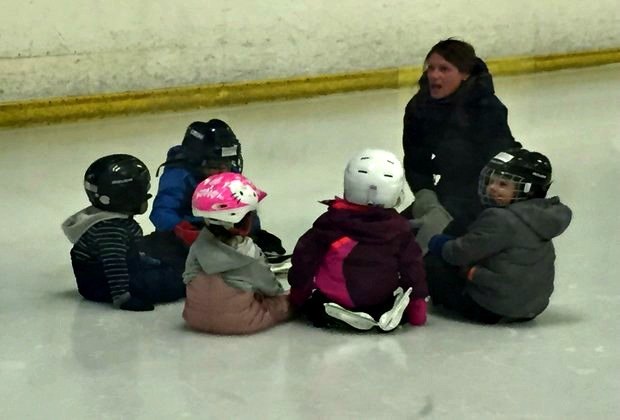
{"x": 416, "y": 312}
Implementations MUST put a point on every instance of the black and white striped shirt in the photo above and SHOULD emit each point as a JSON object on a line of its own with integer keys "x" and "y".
{"x": 109, "y": 242}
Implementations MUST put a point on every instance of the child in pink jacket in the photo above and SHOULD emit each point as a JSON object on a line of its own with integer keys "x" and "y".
{"x": 359, "y": 265}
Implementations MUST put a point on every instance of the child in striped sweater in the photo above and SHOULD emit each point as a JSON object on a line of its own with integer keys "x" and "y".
{"x": 105, "y": 259}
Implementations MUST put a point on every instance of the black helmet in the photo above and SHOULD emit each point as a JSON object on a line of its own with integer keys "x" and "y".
{"x": 211, "y": 144}
{"x": 530, "y": 171}
{"x": 118, "y": 183}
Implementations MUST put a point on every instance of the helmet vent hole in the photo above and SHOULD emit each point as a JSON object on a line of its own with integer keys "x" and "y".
{"x": 220, "y": 206}
{"x": 388, "y": 176}
{"x": 362, "y": 171}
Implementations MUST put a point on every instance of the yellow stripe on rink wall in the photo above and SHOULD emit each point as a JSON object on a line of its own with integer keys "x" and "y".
{"x": 54, "y": 110}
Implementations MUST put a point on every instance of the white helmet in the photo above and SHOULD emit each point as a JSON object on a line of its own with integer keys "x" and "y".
{"x": 374, "y": 177}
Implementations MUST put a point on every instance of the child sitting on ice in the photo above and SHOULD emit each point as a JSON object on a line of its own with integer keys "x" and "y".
{"x": 359, "y": 265}
{"x": 502, "y": 269}
{"x": 230, "y": 287}
{"x": 106, "y": 262}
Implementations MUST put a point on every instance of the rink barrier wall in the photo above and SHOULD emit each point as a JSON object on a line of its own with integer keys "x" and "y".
{"x": 64, "y": 109}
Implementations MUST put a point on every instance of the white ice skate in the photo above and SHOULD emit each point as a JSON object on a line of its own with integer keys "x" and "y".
{"x": 281, "y": 268}
{"x": 363, "y": 321}
{"x": 391, "y": 319}
{"x": 358, "y": 320}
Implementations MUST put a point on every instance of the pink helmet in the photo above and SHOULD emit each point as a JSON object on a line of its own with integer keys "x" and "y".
{"x": 226, "y": 197}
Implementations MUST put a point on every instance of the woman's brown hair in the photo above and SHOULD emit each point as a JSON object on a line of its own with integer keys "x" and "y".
{"x": 458, "y": 53}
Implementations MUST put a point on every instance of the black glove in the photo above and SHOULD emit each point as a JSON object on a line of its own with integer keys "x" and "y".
{"x": 137, "y": 305}
{"x": 269, "y": 243}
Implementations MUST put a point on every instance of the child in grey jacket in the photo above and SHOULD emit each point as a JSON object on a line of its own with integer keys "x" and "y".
{"x": 502, "y": 269}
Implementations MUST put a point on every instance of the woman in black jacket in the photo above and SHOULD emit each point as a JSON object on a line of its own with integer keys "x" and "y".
{"x": 453, "y": 125}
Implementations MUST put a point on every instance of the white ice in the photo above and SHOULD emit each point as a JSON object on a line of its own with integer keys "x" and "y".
{"x": 64, "y": 358}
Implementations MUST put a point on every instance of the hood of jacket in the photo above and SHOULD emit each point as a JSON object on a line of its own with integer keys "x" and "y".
{"x": 218, "y": 256}
{"x": 75, "y": 226}
{"x": 175, "y": 153}
{"x": 547, "y": 217}
{"x": 361, "y": 223}
{"x": 175, "y": 158}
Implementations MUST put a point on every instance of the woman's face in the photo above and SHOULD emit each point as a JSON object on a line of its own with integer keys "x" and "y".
{"x": 444, "y": 78}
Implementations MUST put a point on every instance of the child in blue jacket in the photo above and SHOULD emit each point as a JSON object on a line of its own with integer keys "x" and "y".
{"x": 207, "y": 148}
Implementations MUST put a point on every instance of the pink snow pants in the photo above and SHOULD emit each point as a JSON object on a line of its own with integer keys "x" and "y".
{"x": 213, "y": 306}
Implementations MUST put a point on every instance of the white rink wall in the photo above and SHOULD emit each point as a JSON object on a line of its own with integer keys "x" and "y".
{"x": 73, "y": 47}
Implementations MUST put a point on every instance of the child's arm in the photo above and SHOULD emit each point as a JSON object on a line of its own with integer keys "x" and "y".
{"x": 411, "y": 266}
{"x": 306, "y": 258}
{"x": 263, "y": 280}
{"x": 417, "y": 160}
{"x": 488, "y": 235}
{"x": 173, "y": 195}
{"x": 113, "y": 248}
{"x": 268, "y": 285}
{"x": 493, "y": 133}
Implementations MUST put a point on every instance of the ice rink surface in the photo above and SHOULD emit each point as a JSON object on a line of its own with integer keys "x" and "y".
{"x": 64, "y": 358}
